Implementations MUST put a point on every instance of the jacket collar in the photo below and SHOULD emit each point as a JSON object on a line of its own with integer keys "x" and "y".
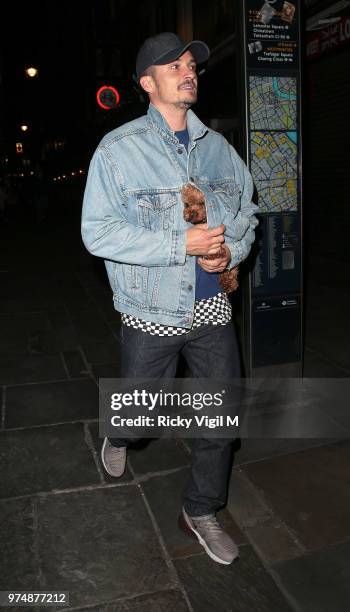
{"x": 196, "y": 128}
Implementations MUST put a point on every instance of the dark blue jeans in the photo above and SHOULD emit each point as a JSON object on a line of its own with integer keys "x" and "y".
{"x": 210, "y": 351}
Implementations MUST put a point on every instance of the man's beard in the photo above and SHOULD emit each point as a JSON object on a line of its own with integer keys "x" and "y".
{"x": 185, "y": 103}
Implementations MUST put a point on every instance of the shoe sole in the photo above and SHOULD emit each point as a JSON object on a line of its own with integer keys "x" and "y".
{"x": 191, "y": 531}
{"x": 103, "y": 461}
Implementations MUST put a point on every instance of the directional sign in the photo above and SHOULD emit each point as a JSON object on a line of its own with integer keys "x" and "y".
{"x": 272, "y": 78}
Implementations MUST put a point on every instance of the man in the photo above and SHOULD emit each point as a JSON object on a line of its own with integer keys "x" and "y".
{"x": 167, "y": 292}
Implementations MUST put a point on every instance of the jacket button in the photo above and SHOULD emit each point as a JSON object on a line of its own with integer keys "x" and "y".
{"x": 179, "y": 150}
{"x": 190, "y": 287}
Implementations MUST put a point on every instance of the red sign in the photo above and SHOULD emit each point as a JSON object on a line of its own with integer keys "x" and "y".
{"x": 107, "y": 97}
{"x": 329, "y": 38}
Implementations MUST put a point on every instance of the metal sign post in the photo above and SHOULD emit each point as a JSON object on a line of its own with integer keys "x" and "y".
{"x": 273, "y": 311}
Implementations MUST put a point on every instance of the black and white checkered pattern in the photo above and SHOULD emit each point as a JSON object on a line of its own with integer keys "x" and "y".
{"x": 215, "y": 311}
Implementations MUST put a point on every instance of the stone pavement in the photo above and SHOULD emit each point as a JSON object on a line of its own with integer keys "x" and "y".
{"x": 115, "y": 544}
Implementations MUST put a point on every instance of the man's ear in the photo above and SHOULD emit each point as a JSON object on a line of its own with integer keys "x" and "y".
{"x": 147, "y": 83}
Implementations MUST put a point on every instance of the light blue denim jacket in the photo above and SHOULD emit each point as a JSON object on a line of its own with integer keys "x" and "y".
{"x": 133, "y": 214}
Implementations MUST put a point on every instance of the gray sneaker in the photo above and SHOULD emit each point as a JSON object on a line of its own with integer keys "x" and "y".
{"x": 113, "y": 459}
{"x": 216, "y": 542}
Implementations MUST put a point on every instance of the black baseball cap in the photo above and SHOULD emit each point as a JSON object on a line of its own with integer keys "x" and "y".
{"x": 166, "y": 47}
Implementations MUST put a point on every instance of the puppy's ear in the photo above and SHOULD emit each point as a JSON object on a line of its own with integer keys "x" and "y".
{"x": 192, "y": 194}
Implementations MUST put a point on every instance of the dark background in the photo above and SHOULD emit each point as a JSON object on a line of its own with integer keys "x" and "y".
{"x": 79, "y": 46}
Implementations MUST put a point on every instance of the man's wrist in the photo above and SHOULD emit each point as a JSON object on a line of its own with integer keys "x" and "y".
{"x": 229, "y": 254}
{"x": 236, "y": 255}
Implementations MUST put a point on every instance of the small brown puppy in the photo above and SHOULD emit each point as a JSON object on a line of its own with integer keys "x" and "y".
{"x": 195, "y": 212}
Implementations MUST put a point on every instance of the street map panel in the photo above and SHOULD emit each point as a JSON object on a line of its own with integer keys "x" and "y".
{"x": 274, "y": 169}
{"x": 273, "y": 103}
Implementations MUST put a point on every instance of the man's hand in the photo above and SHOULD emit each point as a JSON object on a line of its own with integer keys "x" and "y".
{"x": 203, "y": 241}
{"x": 216, "y": 265}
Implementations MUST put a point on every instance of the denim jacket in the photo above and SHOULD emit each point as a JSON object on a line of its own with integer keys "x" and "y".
{"x": 133, "y": 214}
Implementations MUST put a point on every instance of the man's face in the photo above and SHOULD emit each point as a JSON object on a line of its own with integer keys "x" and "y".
{"x": 175, "y": 84}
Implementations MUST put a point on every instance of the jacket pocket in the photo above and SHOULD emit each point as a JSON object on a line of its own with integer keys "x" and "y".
{"x": 227, "y": 193}
{"x": 136, "y": 278}
{"x": 131, "y": 280}
{"x": 156, "y": 211}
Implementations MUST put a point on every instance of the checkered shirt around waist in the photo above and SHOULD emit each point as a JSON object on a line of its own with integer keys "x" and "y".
{"x": 215, "y": 310}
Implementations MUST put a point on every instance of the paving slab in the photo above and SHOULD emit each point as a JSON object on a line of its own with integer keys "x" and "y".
{"x": 106, "y": 370}
{"x": 44, "y": 459}
{"x": 309, "y": 419}
{"x": 316, "y": 366}
{"x": 90, "y": 326}
{"x": 332, "y": 397}
{"x": 76, "y": 304}
{"x": 272, "y": 539}
{"x": 256, "y": 449}
{"x": 49, "y": 403}
{"x": 75, "y": 364}
{"x": 97, "y": 445}
{"x": 303, "y": 489}
{"x": 164, "y": 494}
{"x": 66, "y": 338}
{"x": 29, "y": 304}
{"x": 102, "y": 352}
{"x": 99, "y": 545}
{"x": 328, "y": 339}
{"x": 245, "y": 503}
{"x": 243, "y": 586}
{"x": 18, "y": 559}
{"x": 22, "y": 368}
{"x": 163, "y": 601}
{"x": 153, "y": 455}
{"x": 26, "y": 333}
{"x": 320, "y": 581}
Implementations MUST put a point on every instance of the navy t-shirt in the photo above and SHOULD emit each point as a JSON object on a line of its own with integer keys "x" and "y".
{"x": 207, "y": 283}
